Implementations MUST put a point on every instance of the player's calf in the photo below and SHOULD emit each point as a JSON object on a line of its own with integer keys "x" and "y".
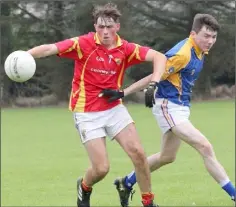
{"x": 130, "y": 142}
{"x": 139, "y": 160}
{"x": 166, "y": 159}
{"x": 101, "y": 170}
{"x": 196, "y": 139}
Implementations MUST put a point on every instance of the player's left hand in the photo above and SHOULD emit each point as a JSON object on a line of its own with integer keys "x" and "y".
{"x": 150, "y": 94}
{"x": 112, "y": 94}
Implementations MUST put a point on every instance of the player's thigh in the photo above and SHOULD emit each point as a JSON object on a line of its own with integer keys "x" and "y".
{"x": 118, "y": 119}
{"x": 97, "y": 153}
{"x": 170, "y": 145}
{"x": 168, "y": 114}
{"x": 90, "y": 125}
{"x": 129, "y": 140}
{"x": 188, "y": 133}
{"x": 121, "y": 128}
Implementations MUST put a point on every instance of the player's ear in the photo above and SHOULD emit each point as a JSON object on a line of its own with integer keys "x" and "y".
{"x": 117, "y": 27}
{"x": 193, "y": 33}
{"x": 95, "y": 27}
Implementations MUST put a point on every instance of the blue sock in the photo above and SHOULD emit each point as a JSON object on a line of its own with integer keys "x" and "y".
{"x": 130, "y": 180}
{"x": 230, "y": 189}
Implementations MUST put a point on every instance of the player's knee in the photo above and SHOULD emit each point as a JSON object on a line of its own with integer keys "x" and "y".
{"x": 164, "y": 159}
{"x": 137, "y": 154}
{"x": 206, "y": 149}
{"x": 102, "y": 169}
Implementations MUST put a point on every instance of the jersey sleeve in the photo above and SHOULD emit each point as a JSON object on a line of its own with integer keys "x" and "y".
{"x": 135, "y": 53}
{"x": 174, "y": 64}
{"x": 70, "y": 48}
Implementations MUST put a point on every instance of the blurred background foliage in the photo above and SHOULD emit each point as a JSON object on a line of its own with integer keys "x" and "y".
{"x": 158, "y": 24}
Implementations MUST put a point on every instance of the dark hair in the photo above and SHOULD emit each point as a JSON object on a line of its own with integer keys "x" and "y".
{"x": 108, "y": 10}
{"x": 207, "y": 20}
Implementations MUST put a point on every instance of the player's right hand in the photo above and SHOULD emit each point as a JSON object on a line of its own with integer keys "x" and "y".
{"x": 111, "y": 94}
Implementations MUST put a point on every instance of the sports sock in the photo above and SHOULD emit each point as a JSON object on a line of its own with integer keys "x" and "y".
{"x": 130, "y": 180}
{"x": 147, "y": 198}
{"x": 230, "y": 189}
{"x": 85, "y": 187}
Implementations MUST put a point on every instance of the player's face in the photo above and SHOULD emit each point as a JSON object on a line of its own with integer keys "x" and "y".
{"x": 107, "y": 29}
{"x": 205, "y": 38}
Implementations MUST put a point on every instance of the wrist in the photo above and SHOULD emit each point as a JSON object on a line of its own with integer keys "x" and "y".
{"x": 122, "y": 92}
{"x": 154, "y": 83}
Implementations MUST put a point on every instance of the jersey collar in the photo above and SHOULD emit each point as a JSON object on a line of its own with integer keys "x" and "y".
{"x": 118, "y": 40}
{"x": 197, "y": 50}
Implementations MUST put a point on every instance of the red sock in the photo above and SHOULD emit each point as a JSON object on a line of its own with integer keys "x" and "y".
{"x": 85, "y": 187}
{"x": 147, "y": 198}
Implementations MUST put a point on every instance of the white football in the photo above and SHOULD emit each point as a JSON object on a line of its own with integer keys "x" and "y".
{"x": 20, "y": 66}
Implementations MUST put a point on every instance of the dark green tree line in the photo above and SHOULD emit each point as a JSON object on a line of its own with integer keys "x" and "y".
{"x": 158, "y": 24}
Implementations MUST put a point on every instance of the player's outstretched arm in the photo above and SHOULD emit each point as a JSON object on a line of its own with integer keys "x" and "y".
{"x": 159, "y": 64}
{"x": 137, "y": 86}
{"x": 43, "y": 50}
{"x": 117, "y": 94}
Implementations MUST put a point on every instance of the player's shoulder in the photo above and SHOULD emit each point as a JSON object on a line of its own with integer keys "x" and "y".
{"x": 125, "y": 42}
{"x": 122, "y": 43}
{"x": 126, "y": 46}
{"x": 89, "y": 37}
{"x": 87, "y": 41}
{"x": 129, "y": 45}
{"x": 85, "y": 37}
{"x": 181, "y": 50}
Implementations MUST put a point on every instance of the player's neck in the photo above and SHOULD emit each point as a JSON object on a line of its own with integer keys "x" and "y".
{"x": 198, "y": 50}
{"x": 110, "y": 46}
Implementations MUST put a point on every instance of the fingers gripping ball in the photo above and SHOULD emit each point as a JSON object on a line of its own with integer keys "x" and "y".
{"x": 20, "y": 66}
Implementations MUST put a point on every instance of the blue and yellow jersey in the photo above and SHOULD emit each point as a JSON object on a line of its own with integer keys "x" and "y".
{"x": 184, "y": 63}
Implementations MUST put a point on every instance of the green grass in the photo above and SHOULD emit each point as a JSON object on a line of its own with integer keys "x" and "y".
{"x": 41, "y": 158}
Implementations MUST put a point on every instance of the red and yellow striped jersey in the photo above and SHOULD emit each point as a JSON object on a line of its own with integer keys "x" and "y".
{"x": 97, "y": 68}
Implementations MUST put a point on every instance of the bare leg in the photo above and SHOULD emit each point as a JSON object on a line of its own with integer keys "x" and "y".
{"x": 197, "y": 140}
{"x": 130, "y": 142}
{"x": 97, "y": 153}
{"x": 169, "y": 148}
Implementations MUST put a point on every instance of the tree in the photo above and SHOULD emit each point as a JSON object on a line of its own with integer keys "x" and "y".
{"x": 158, "y": 24}
{"x": 171, "y": 21}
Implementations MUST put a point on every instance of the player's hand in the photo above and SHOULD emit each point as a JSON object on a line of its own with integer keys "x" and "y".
{"x": 150, "y": 94}
{"x": 112, "y": 94}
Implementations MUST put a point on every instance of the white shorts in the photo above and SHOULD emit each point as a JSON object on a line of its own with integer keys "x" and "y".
{"x": 169, "y": 114}
{"x": 92, "y": 125}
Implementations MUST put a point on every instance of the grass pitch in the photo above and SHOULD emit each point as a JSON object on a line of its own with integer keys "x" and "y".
{"x": 41, "y": 158}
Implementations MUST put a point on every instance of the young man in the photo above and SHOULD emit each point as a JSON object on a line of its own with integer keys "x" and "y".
{"x": 171, "y": 105}
{"x": 101, "y": 59}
